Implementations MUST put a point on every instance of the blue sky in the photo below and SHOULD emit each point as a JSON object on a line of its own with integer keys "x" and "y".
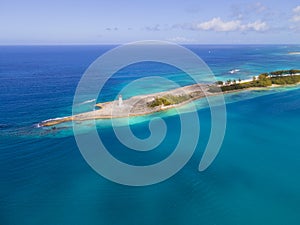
{"x": 113, "y": 22}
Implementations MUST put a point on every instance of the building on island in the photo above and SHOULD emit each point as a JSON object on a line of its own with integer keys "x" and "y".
{"x": 120, "y": 101}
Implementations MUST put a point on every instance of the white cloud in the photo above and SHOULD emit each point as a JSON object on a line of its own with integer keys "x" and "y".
{"x": 297, "y": 9}
{"x": 257, "y": 26}
{"x": 156, "y": 27}
{"x": 295, "y": 19}
{"x": 217, "y": 24}
{"x": 248, "y": 10}
{"x": 296, "y": 16}
{"x": 258, "y": 7}
{"x": 180, "y": 39}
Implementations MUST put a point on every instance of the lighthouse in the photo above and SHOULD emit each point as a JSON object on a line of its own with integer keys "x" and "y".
{"x": 120, "y": 101}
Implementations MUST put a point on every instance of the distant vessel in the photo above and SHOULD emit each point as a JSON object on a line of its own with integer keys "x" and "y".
{"x": 234, "y": 71}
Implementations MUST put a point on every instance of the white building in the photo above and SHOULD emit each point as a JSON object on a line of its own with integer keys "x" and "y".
{"x": 120, "y": 101}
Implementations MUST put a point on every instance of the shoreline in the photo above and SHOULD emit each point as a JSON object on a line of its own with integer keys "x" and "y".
{"x": 142, "y": 104}
{"x": 134, "y": 106}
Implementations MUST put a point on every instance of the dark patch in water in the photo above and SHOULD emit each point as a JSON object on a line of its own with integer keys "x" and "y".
{"x": 4, "y": 126}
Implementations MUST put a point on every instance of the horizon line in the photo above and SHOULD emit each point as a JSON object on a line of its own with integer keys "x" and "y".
{"x": 117, "y": 44}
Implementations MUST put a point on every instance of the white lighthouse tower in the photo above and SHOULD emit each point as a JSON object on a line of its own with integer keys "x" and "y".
{"x": 120, "y": 101}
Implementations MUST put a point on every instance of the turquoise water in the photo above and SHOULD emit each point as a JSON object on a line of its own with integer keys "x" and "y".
{"x": 45, "y": 180}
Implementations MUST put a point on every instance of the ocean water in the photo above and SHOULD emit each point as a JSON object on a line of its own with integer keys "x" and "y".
{"x": 45, "y": 180}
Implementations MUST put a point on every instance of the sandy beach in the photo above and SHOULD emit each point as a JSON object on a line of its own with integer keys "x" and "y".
{"x": 143, "y": 104}
{"x": 136, "y": 106}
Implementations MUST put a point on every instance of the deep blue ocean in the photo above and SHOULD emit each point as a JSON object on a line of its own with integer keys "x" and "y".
{"x": 45, "y": 180}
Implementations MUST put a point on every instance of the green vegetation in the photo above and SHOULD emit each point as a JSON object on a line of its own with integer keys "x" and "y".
{"x": 219, "y": 82}
{"x": 284, "y": 72}
{"x": 169, "y": 100}
{"x": 286, "y": 80}
{"x": 214, "y": 89}
{"x": 282, "y": 77}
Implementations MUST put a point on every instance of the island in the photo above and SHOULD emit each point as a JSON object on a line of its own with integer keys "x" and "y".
{"x": 294, "y": 53}
{"x": 151, "y": 103}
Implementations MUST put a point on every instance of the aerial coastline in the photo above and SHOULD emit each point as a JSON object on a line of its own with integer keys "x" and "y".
{"x": 161, "y": 101}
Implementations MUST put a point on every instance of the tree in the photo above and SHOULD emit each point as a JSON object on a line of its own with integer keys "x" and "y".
{"x": 240, "y": 80}
{"x": 229, "y": 81}
{"x": 219, "y": 82}
{"x": 291, "y": 72}
{"x": 254, "y": 78}
{"x": 263, "y": 76}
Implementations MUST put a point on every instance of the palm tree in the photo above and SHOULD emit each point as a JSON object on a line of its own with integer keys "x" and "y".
{"x": 220, "y": 83}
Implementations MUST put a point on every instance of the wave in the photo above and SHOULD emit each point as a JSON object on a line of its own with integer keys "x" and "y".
{"x": 234, "y": 71}
{"x": 87, "y": 101}
{"x": 38, "y": 125}
{"x": 57, "y": 118}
